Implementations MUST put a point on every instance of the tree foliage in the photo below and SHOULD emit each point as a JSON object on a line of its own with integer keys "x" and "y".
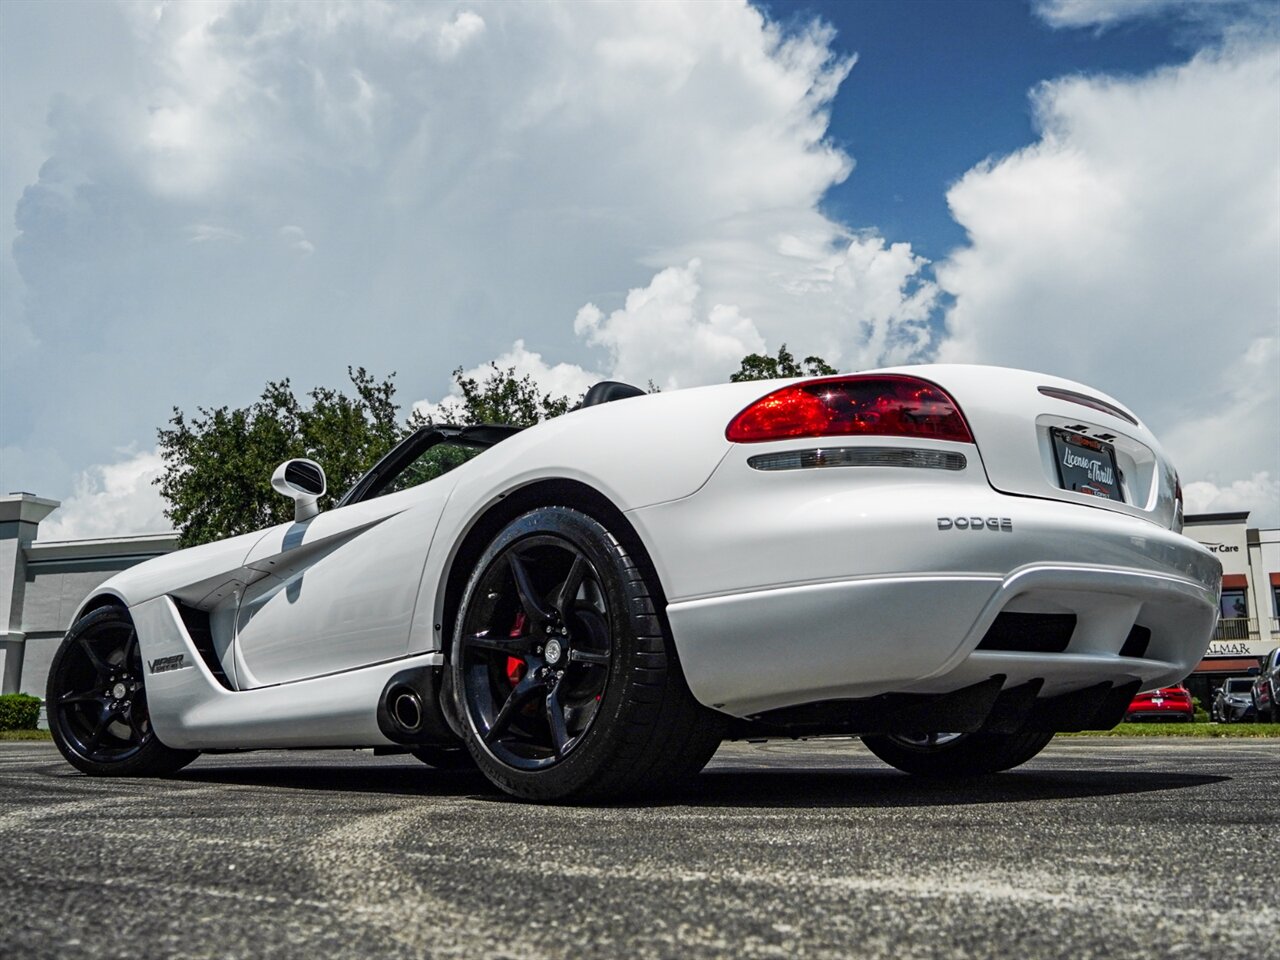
{"x": 218, "y": 463}
{"x": 761, "y": 366}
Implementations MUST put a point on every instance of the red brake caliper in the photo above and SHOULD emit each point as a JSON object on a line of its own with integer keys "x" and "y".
{"x": 515, "y": 665}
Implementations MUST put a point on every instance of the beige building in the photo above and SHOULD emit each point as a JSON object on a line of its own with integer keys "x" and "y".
{"x": 43, "y": 582}
{"x": 1249, "y": 620}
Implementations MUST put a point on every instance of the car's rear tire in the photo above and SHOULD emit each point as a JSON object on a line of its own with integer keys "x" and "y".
{"x": 957, "y": 755}
{"x": 96, "y": 701}
{"x": 566, "y": 680}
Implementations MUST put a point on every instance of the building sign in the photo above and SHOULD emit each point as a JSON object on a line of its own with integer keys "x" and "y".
{"x": 1220, "y": 547}
{"x": 1239, "y": 648}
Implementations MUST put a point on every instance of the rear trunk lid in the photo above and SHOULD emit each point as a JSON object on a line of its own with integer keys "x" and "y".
{"x": 1046, "y": 437}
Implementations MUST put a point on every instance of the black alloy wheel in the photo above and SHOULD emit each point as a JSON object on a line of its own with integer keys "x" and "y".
{"x": 565, "y": 680}
{"x": 535, "y": 651}
{"x": 96, "y": 701}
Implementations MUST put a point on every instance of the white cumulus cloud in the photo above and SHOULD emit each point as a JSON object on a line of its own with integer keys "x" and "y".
{"x": 458, "y": 32}
{"x": 1204, "y": 496}
{"x": 1205, "y": 18}
{"x": 665, "y": 332}
{"x": 296, "y": 239}
{"x": 1136, "y": 246}
{"x": 111, "y": 500}
{"x": 858, "y": 302}
{"x": 243, "y": 192}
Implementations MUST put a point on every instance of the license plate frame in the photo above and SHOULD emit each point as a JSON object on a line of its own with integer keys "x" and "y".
{"x": 1087, "y": 465}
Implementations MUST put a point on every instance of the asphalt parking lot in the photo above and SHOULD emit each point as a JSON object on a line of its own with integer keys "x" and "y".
{"x": 1116, "y": 848}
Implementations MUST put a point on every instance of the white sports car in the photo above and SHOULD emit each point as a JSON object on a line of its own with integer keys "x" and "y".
{"x": 953, "y": 562}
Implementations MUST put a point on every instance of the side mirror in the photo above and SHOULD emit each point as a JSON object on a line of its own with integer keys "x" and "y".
{"x": 303, "y": 482}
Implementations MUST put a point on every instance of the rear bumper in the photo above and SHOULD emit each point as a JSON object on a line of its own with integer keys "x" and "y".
{"x": 914, "y": 626}
{"x": 763, "y": 650}
{"x": 1159, "y": 715}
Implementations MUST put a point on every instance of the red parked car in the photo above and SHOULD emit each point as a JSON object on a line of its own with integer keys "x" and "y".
{"x": 1166, "y": 703}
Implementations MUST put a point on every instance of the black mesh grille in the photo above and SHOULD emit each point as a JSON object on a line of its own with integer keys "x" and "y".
{"x": 1030, "y": 632}
{"x": 1135, "y": 645}
{"x": 197, "y": 624}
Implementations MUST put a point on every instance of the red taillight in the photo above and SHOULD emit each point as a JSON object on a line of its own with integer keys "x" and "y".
{"x": 889, "y": 405}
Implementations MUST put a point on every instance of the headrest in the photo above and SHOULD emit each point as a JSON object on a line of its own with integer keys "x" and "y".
{"x": 608, "y": 390}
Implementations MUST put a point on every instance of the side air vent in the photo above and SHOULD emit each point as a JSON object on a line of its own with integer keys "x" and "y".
{"x": 1030, "y": 632}
{"x": 1135, "y": 645}
{"x": 197, "y": 624}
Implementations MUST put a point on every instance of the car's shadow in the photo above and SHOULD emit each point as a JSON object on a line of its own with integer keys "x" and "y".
{"x": 726, "y": 786}
{"x": 874, "y": 787}
{"x": 418, "y": 780}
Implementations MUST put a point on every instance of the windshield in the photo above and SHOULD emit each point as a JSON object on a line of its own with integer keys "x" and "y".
{"x": 424, "y": 455}
{"x": 433, "y": 462}
{"x": 1239, "y": 686}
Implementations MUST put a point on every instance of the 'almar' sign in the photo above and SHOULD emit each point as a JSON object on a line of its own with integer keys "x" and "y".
{"x": 1239, "y": 648}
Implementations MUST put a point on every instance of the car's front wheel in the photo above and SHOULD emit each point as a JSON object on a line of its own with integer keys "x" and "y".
{"x": 956, "y": 754}
{"x": 96, "y": 701}
{"x": 566, "y": 682}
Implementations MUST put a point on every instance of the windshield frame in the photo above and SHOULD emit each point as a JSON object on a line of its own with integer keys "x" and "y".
{"x": 382, "y": 473}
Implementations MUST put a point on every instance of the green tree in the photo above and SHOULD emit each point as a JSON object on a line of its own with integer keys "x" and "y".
{"x": 761, "y": 366}
{"x": 218, "y": 463}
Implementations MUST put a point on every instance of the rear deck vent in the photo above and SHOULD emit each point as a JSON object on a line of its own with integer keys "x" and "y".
{"x": 1135, "y": 645}
{"x": 1096, "y": 403}
{"x": 1030, "y": 632}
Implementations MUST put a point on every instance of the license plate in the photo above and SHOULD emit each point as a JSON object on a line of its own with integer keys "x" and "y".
{"x": 1086, "y": 465}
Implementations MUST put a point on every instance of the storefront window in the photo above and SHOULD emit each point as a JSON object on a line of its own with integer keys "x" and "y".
{"x": 1233, "y": 605}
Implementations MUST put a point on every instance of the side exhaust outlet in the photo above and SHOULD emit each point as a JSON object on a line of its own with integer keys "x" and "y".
{"x": 409, "y": 709}
{"x": 406, "y": 708}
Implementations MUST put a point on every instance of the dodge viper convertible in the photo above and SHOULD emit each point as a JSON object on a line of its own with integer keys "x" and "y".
{"x": 951, "y": 562}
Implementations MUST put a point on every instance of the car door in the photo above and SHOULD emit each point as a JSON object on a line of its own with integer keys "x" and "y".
{"x": 339, "y": 589}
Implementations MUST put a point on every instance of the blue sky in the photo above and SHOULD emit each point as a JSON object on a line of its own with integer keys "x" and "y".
{"x": 202, "y": 197}
{"x": 940, "y": 85}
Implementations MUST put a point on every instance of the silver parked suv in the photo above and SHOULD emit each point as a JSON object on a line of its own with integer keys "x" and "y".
{"x": 1266, "y": 689}
{"x": 1234, "y": 701}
